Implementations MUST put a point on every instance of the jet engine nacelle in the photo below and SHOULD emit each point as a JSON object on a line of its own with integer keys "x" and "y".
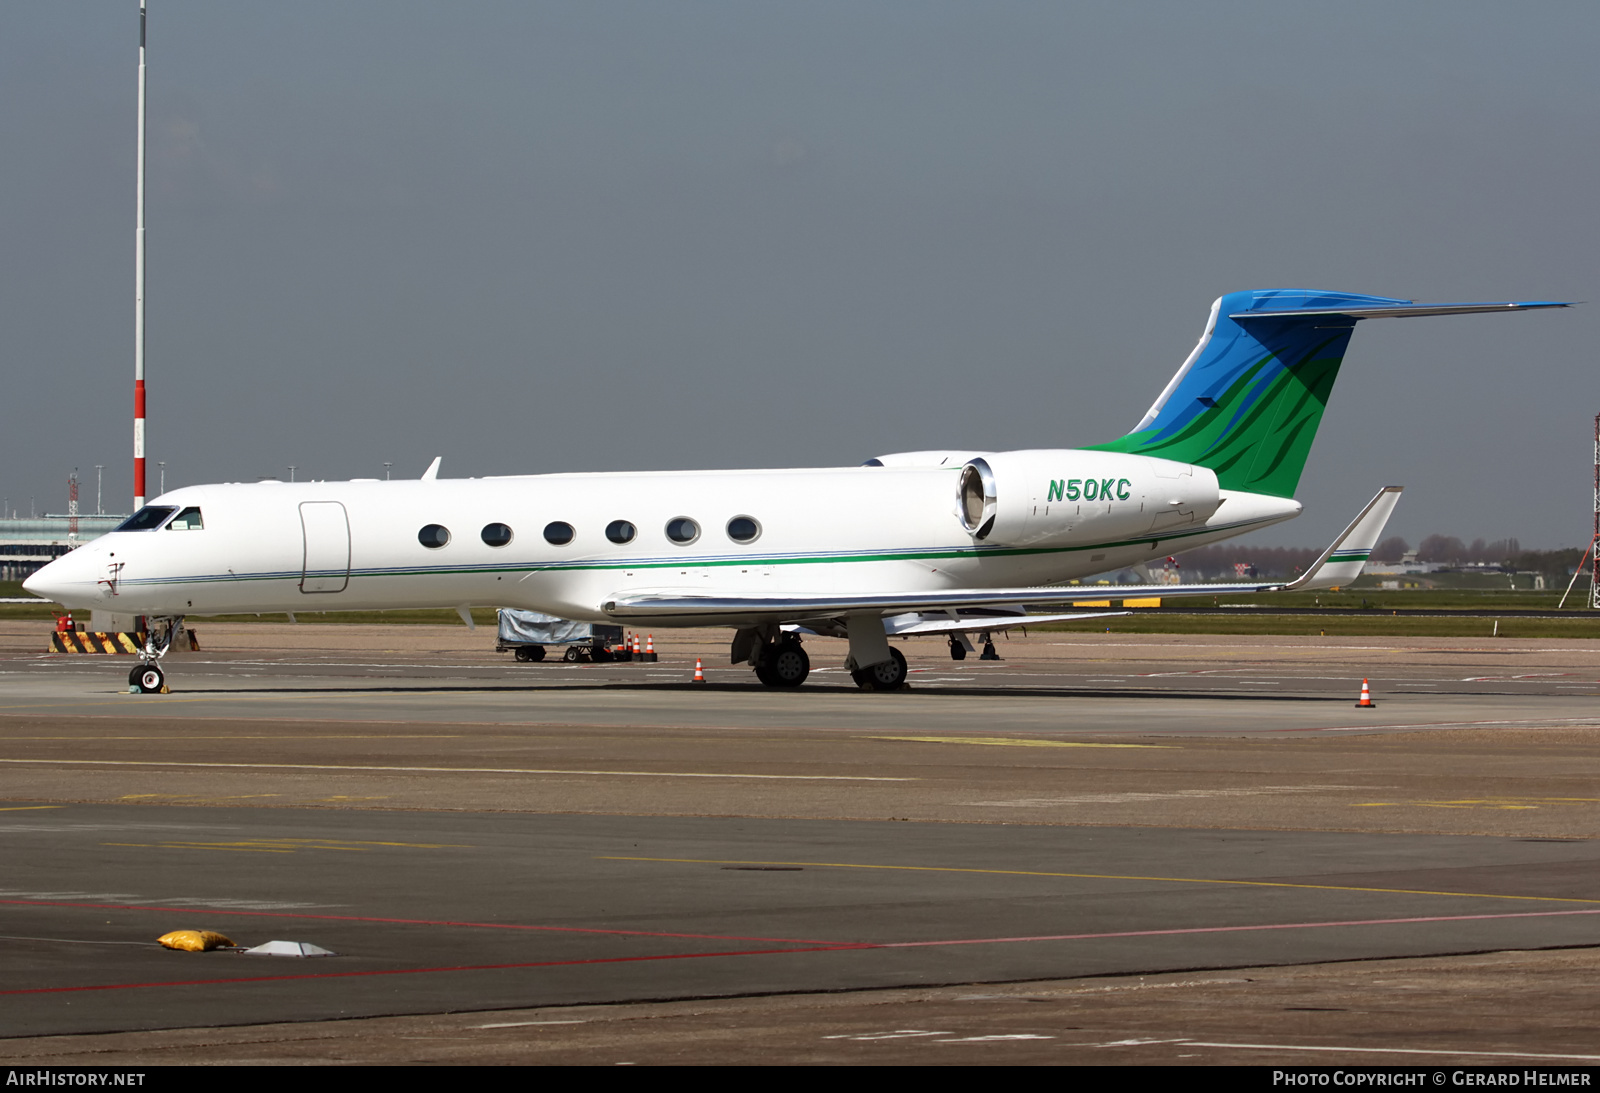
{"x": 1057, "y": 496}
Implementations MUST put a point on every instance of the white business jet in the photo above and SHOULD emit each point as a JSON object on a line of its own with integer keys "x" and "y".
{"x": 916, "y": 542}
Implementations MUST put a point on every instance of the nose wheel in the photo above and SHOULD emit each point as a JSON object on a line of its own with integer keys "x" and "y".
{"x": 147, "y": 679}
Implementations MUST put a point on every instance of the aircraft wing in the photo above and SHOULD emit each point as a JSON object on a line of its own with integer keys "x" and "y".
{"x": 977, "y": 621}
{"x": 1339, "y": 564}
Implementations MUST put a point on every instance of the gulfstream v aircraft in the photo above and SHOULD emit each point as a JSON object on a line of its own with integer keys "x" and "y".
{"x": 924, "y": 542}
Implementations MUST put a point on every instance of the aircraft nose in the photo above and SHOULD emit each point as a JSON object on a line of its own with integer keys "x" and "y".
{"x": 60, "y": 582}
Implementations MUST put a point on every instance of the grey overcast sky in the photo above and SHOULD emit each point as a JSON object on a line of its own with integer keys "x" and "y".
{"x": 598, "y": 235}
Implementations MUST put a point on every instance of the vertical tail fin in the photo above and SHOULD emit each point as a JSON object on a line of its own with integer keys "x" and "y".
{"x": 1247, "y": 402}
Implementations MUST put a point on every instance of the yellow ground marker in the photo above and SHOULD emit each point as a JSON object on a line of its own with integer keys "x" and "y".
{"x": 1014, "y": 742}
{"x": 1104, "y": 876}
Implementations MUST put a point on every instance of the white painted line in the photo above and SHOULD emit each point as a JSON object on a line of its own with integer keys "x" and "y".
{"x": 1380, "y": 1050}
{"x": 73, "y": 941}
{"x": 525, "y": 1024}
{"x": 1461, "y": 724}
{"x": 1138, "y": 1043}
{"x": 457, "y": 770}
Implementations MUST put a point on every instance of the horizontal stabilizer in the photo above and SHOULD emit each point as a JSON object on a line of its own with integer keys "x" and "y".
{"x": 1398, "y": 310}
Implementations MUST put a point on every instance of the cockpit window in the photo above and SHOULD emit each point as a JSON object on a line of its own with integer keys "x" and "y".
{"x": 148, "y": 518}
{"x": 187, "y": 520}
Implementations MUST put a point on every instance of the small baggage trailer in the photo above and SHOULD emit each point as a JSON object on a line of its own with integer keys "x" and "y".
{"x": 526, "y": 633}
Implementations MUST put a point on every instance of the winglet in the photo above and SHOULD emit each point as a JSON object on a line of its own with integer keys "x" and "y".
{"x": 433, "y": 469}
{"x": 1342, "y": 562}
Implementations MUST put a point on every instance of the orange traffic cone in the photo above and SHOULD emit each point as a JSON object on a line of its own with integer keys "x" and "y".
{"x": 699, "y": 676}
{"x": 1366, "y": 702}
{"x": 650, "y": 649}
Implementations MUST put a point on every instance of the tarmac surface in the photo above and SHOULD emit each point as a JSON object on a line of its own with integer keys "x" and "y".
{"x": 1103, "y": 848}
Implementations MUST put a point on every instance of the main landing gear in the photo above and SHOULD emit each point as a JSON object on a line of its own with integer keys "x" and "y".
{"x": 887, "y": 675}
{"x": 146, "y": 678}
{"x": 783, "y": 663}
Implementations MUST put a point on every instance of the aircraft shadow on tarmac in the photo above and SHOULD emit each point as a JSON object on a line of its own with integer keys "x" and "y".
{"x": 754, "y": 687}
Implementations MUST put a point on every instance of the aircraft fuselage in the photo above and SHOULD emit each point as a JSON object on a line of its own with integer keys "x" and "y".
{"x": 1053, "y": 516}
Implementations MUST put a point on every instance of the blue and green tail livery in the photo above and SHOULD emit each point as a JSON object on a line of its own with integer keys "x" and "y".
{"x": 1247, "y": 402}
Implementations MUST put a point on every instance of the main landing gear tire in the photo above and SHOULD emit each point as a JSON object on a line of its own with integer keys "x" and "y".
{"x": 887, "y": 676}
{"x": 530, "y": 654}
{"x": 957, "y": 650}
{"x": 146, "y": 679}
{"x": 783, "y": 664}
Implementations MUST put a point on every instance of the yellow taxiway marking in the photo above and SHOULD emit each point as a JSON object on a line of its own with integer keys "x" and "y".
{"x": 1104, "y": 876}
{"x": 28, "y": 808}
{"x": 285, "y": 846}
{"x": 1013, "y": 742}
{"x": 248, "y": 736}
{"x": 1515, "y": 803}
{"x": 197, "y": 846}
{"x": 122, "y": 698}
{"x": 195, "y": 796}
{"x": 458, "y": 770}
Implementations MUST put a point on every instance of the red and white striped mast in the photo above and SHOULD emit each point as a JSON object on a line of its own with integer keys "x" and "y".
{"x": 138, "y": 298}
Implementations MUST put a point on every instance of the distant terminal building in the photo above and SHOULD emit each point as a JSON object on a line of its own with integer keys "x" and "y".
{"x": 27, "y": 544}
{"x": 1407, "y": 566}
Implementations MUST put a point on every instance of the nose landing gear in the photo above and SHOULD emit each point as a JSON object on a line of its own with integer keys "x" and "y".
{"x": 146, "y": 678}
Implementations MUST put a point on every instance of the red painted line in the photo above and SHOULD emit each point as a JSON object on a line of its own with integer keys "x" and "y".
{"x": 427, "y": 971}
{"x": 418, "y": 922}
{"x": 1231, "y": 929}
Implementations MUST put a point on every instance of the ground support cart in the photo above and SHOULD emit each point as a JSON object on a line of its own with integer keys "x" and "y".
{"x": 526, "y": 633}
